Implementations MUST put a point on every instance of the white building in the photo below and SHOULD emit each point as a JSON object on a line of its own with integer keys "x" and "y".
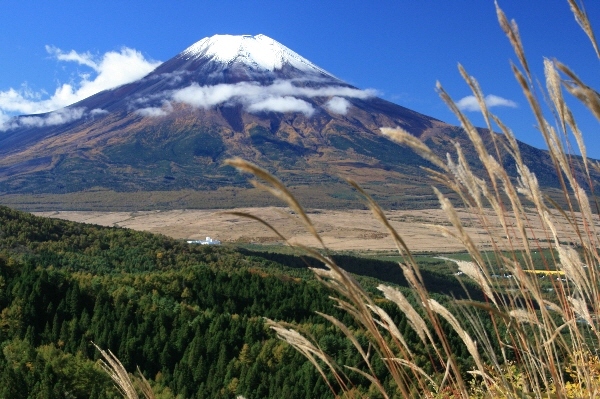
{"x": 208, "y": 241}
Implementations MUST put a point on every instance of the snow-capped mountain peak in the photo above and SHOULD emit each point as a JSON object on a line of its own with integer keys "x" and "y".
{"x": 258, "y": 51}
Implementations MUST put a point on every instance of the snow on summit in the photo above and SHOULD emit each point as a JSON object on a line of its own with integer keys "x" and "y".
{"x": 258, "y": 51}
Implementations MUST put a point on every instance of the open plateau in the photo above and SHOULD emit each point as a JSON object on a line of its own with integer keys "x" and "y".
{"x": 341, "y": 230}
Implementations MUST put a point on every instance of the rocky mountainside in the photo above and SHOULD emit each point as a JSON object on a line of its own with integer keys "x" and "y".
{"x": 225, "y": 96}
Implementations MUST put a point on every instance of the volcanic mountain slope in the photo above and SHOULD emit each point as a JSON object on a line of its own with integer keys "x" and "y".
{"x": 224, "y": 96}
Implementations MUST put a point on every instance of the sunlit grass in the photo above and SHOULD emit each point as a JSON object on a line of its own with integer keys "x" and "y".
{"x": 537, "y": 332}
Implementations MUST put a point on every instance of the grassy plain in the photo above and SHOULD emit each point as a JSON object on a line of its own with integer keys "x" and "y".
{"x": 341, "y": 230}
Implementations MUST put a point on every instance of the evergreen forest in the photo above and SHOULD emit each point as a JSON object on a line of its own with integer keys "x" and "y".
{"x": 190, "y": 317}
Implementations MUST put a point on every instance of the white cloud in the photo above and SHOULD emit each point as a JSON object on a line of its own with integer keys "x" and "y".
{"x": 338, "y": 105}
{"x": 495, "y": 101}
{"x": 171, "y": 78}
{"x": 83, "y": 58}
{"x": 3, "y": 119}
{"x": 155, "y": 112}
{"x": 150, "y": 99}
{"x": 208, "y": 96}
{"x": 282, "y": 104}
{"x": 469, "y": 103}
{"x": 151, "y": 112}
{"x": 279, "y": 96}
{"x": 98, "y": 111}
{"x": 108, "y": 71}
{"x": 285, "y": 87}
{"x": 64, "y": 115}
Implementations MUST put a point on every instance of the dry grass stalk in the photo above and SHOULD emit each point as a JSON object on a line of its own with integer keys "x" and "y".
{"x": 309, "y": 350}
{"x": 583, "y": 21}
{"x": 450, "y": 318}
{"x": 414, "y": 319}
{"x": 401, "y": 136}
{"x": 113, "y": 367}
{"x": 386, "y": 322}
{"x": 477, "y": 274}
{"x": 350, "y": 335}
{"x": 512, "y": 32}
{"x": 126, "y": 386}
{"x": 277, "y": 189}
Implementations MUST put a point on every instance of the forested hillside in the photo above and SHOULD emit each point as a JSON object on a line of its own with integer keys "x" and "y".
{"x": 190, "y": 317}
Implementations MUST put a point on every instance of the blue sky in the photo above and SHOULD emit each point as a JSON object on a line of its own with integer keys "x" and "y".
{"x": 399, "y": 48}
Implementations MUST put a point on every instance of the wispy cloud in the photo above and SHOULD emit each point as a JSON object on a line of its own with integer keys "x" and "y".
{"x": 338, "y": 105}
{"x": 208, "y": 96}
{"x": 98, "y": 111}
{"x": 80, "y": 58}
{"x": 110, "y": 70}
{"x": 3, "y": 119}
{"x": 64, "y": 115}
{"x": 469, "y": 103}
{"x": 155, "y": 111}
{"x": 282, "y": 104}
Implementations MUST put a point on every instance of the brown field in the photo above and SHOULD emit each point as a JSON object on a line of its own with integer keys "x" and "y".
{"x": 341, "y": 230}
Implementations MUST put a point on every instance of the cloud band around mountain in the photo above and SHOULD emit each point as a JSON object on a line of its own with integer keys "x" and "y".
{"x": 281, "y": 96}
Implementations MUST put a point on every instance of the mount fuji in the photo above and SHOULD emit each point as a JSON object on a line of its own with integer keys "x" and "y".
{"x": 161, "y": 141}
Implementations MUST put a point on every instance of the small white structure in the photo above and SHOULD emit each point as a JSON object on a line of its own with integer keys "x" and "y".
{"x": 208, "y": 241}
